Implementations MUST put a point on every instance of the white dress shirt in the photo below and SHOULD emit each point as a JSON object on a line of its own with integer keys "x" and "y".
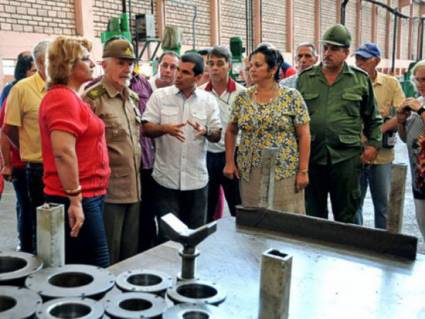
{"x": 225, "y": 102}
{"x": 181, "y": 165}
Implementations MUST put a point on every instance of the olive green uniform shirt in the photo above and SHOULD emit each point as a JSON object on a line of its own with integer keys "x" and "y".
{"x": 122, "y": 120}
{"x": 339, "y": 113}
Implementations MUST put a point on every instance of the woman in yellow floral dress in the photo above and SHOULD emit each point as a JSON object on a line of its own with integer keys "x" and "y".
{"x": 269, "y": 117}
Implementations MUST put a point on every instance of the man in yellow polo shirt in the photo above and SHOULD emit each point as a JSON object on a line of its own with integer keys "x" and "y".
{"x": 22, "y": 129}
{"x": 389, "y": 96}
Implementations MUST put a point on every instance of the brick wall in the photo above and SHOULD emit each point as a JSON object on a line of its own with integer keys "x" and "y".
{"x": 404, "y": 48}
{"x": 328, "y": 12}
{"x": 35, "y": 16}
{"x": 273, "y": 20}
{"x": 233, "y": 20}
{"x": 105, "y": 9}
{"x": 181, "y": 14}
{"x": 381, "y": 31}
{"x": 366, "y": 24}
{"x": 303, "y": 21}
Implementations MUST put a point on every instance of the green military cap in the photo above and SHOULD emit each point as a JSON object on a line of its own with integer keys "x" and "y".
{"x": 337, "y": 35}
{"x": 119, "y": 48}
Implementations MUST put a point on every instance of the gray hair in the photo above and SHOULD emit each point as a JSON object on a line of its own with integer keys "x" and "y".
{"x": 40, "y": 50}
{"x": 307, "y": 45}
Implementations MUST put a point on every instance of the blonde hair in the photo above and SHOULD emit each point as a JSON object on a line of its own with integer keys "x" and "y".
{"x": 419, "y": 65}
{"x": 62, "y": 55}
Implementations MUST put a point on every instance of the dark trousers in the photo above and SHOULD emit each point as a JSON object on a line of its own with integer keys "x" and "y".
{"x": 189, "y": 206}
{"x": 23, "y": 209}
{"x": 342, "y": 182}
{"x": 90, "y": 247}
{"x": 215, "y": 165}
{"x": 147, "y": 230}
{"x": 35, "y": 185}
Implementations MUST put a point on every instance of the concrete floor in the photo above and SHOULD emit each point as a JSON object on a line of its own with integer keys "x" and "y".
{"x": 8, "y": 215}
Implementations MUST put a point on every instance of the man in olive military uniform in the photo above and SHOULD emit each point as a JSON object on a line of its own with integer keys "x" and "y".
{"x": 342, "y": 106}
{"x": 116, "y": 105}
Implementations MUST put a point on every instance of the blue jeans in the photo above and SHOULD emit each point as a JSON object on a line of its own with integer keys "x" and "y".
{"x": 23, "y": 210}
{"x": 90, "y": 247}
{"x": 378, "y": 177}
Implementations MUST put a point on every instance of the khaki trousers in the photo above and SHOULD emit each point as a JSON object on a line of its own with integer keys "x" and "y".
{"x": 285, "y": 197}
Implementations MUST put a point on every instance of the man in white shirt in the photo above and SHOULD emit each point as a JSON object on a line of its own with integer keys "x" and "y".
{"x": 225, "y": 90}
{"x": 182, "y": 118}
{"x": 166, "y": 75}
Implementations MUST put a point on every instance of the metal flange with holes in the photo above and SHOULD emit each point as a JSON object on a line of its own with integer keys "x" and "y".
{"x": 18, "y": 303}
{"x": 16, "y": 266}
{"x": 184, "y": 310}
{"x": 129, "y": 305}
{"x": 147, "y": 280}
{"x": 81, "y": 308}
{"x": 71, "y": 281}
{"x": 197, "y": 291}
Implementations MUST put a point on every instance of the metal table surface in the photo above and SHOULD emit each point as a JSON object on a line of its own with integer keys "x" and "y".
{"x": 327, "y": 282}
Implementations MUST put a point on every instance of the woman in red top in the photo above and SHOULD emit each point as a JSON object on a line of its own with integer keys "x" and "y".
{"x": 75, "y": 158}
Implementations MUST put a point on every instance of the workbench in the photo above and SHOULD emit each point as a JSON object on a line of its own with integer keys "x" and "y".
{"x": 327, "y": 282}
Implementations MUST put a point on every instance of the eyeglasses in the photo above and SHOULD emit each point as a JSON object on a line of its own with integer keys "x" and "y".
{"x": 218, "y": 63}
{"x": 419, "y": 80}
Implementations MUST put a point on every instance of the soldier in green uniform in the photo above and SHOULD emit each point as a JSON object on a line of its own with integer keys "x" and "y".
{"x": 117, "y": 106}
{"x": 342, "y": 106}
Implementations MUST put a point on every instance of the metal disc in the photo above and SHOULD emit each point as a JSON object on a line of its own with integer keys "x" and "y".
{"x": 18, "y": 302}
{"x": 147, "y": 280}
{"x": 129, "y": 305}
{"x": 15, "y": 266}
{"x": 71, "y": 281}
{"x": 197, "y": 291}
{"x": 77, "y": 308}
{"x": 200, "y": 311}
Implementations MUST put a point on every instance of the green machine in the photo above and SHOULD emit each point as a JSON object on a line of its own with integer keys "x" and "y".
{"x": 237, "y": 49}
{"x": 117, "y": 26}
{"x": 406, "y": 83}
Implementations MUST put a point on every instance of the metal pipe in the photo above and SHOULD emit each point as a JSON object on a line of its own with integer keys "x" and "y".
{"x": 394, "y": 44}
{"x": 421, "y": 39}
{"x": 275, "y": 284}
{"x": 343, "y": 7}
{"x": 194, "y": 27}
{"x": 124, "y": 6}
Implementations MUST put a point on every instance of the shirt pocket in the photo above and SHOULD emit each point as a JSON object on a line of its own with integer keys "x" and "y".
{"x": 169, "y": 115}
{"x": 200, "y": 117}
{"x": 311, "y": 99}
{"x": 113, "y": 127}
{"x": 352, "y": 102}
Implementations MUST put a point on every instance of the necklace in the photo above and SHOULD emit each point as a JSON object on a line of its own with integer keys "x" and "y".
{"x": 265, "y": 98}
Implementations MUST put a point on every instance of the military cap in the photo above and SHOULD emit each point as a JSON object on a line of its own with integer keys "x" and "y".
{"x": 337, "y": 35}
{"x": 119, "y": 48}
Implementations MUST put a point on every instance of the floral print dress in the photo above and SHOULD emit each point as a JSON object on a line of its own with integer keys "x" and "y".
{"x": 267, "y": 125}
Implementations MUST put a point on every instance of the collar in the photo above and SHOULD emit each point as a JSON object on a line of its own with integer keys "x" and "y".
{"x": 346, "y": 69}
{"x": 111, "y": 90}
{"x": 39, "y": 82}
{"x": 231, "y": 86}
{"x": 178, "y": 92}
{"x": 379, "y": 79}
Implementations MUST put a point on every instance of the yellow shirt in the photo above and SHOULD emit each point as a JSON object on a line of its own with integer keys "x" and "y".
{"x": 22, "y": 108}
{"x": 388, "y": 94}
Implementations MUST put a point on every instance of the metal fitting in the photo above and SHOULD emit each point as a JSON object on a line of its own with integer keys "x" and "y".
{"x": 197, "y": 291}
{"x": 200, "y": 311}
{"x": 18, "y": 303}
{"x": 147, "y": 280}
{"x": 16, "y": 266}
{"x": 71, "y": 281}
{"x": 77, "y": 308}
{"x": 128, "y": 305}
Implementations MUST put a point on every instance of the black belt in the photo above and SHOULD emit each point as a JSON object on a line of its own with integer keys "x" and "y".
{"x": 34, "y": 165}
